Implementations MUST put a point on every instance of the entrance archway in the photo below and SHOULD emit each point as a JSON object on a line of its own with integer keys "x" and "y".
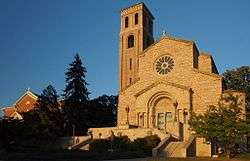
{"x": 161, "y": 110}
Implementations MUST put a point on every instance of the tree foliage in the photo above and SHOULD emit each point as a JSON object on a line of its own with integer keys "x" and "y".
{"x": 104, "y": 106}
{"x": 49, "y": 111}
{"x": 76, "y": 86}
{"x": 223, "y": 124}
{"x": 76, "y": 97}
{"x": 238, "y": 79}
{"x": 142, "y": 146}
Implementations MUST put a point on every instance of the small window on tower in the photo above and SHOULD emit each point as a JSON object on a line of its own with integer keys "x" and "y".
{"x": 130, "y": 41}
{"x": 126, "y": 22}
{"x": 130, "y": 81}
{"x": 130, "y": 64}
{"x": 136, "y": 18}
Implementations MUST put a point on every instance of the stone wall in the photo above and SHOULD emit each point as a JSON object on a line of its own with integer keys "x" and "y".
{"x": 132, "y": 133}
{"x": 203, "y": 148}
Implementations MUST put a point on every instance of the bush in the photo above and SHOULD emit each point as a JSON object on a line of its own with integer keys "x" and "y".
{"x": 99, "y": 145}
{"x": 118, "y": 144}
{"x": 121, "y": 144}
{"x": 141, "y": 146}
{"x": 146, "y": 144}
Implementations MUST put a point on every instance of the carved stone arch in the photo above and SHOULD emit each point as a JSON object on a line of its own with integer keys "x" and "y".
{"x": 151, "y": 105}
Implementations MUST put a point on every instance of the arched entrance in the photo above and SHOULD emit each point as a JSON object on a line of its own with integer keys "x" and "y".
{"x": 161, "y": 110}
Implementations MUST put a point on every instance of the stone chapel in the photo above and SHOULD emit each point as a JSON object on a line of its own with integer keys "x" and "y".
{"x": 160, "y": 83}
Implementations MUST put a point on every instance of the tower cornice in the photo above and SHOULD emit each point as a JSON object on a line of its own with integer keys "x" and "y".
{"x": 134, "y": 8}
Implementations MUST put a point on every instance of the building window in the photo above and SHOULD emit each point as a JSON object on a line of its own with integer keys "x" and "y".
{"x": 126, "y": 22}
{"x": 185, "y": 117}
{"x": 168, "y": 117}
{"x": 141, "y": 119}
{"x": 131, "y": 41}
{"x": 130, "y": 64}
{"x": 136, "y": 18}
{"x": 130, "y": 81}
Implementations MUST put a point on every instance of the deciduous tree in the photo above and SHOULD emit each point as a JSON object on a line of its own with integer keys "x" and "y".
{"x": 238, "y": 79}
{"x": 223, "y": 124}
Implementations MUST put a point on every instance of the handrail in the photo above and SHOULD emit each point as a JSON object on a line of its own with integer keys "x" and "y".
{"x": 189, "y": 141}
{"x": 82, "y": 143}
{"x": 161, "y": 145}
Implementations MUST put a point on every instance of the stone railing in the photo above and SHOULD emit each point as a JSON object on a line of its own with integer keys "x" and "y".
{"x": 70, "y": 141}
{"x": 164, "y": 142}
{"x": 188, "y": 146}
{"x": 161, "y": 134}
{"x": 174, "y": 129}
{"x": 82, "y": 143}
{"x": 132, "y": 133}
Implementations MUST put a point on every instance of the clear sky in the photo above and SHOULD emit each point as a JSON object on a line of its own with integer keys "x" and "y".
{"x": 39, "y": 38}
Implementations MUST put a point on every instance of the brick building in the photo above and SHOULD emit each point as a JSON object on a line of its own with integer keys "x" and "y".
{"x": 160, "y": 83}
{"x": 23, "y": 104}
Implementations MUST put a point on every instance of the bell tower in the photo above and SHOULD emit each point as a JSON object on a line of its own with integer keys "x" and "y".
{"x": 136, "y": 34}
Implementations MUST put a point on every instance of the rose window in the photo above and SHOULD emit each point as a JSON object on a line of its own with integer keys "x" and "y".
{"x": 164, "y": 65}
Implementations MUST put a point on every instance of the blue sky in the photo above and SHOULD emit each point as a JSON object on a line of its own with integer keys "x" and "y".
{"x": 38, "y": 39}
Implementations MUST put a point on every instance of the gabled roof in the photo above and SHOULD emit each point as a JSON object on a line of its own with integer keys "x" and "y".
{"x": 163, "y": 81}
{"x": 8, "y": 111}
{"x": 28, "y": 92}
{"x": 16, "y": 115}
{"x": 169, "y": 38}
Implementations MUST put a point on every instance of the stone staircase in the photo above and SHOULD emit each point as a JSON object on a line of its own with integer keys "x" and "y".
{"x": 173, "y": 149}
{"x": 170, "y": 145}
{"x": 180, "y": 149}
{"x": 165, "y": 141}
{"x": 83, "y": 144}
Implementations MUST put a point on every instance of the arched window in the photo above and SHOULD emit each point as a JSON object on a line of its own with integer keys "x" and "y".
{"x": 136, "y": 18}
{"x": 126, "y": 22}
{"x": 130, "y": 64}
{"x": 131, "y": 41}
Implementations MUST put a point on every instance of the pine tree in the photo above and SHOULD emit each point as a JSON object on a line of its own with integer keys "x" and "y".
{"x": 76, "y": 95}
{"x": 49, "y": 110}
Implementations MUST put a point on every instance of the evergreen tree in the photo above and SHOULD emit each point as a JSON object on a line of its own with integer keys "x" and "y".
{"x": 76, "y": 96}
{"x": 48, "y": 106}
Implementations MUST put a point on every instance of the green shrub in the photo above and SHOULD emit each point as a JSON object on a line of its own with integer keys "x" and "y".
{"x": 99, "y": 145}
{"x": 121, "y": 144}
{"x": 140, "y": 146}
{"x": 146, "y": 144}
